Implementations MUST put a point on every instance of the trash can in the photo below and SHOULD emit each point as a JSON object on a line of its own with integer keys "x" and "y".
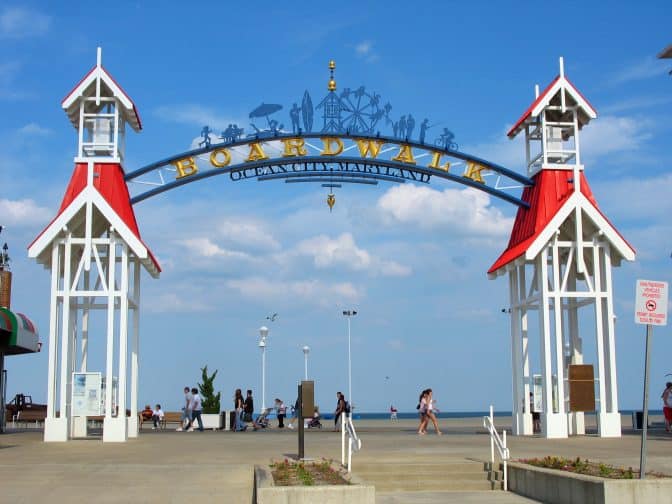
{"x": 638, "y": 420}
{"x": 228, "y": 420}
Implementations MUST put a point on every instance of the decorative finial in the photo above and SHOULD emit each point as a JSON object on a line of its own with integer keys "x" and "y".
{"x": 4, "y": 258}
{"x": 331, "y": 201}
{"x": 332, "y": 82}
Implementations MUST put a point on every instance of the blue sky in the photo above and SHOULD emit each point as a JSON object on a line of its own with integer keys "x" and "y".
{"x": 411, "y": 260}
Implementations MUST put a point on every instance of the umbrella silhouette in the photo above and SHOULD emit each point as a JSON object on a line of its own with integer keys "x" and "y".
{"x": 264, "y": 110}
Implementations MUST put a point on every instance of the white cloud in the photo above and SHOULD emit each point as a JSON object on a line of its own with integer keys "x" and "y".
{"x": 613, "y": 134}
{"x": 465, "y": 210}
{"x": 248, "y": 233}
{"x": 607, "y": 135}
{"x": 636, "y": 198}
{"x": 204, "y": 247}
{"x": 169, "y": 302}
{"x": 344, "y": 252}
{"x": 23, "y": 212}
{"x": 327, "y": 252}
{"x": 395, "y": 344}
{"x": 196, "y": 115}
{"x": 34, "y": 129}
{"x": 636, "y": 103}
{"x": 364, "y": 49}
{"x": 8, "y": 73}
{"x": 645, "y": 69}
{"x": 18, "y": 22}
{"x": 501, "y": 150}
{"x": 308, "y": 291}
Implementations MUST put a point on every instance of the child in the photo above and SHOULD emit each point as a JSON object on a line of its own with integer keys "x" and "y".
{"x": 315, "y": 421}
{"x": 157, "y": 417}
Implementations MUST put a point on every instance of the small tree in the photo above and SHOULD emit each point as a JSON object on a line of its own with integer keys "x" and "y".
{"x": 211, "y": 402}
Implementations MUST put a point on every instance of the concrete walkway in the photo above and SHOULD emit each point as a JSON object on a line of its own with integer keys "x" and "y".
{"x": 168, "y": 466}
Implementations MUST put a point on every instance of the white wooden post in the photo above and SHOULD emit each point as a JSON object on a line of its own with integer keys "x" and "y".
{"x": 52, "y": 431}
{"x": 528, "y": 428}
{"x": 135, "y": 351}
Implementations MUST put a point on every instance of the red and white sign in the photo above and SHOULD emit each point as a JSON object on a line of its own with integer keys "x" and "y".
{"x": 651, "y": 302}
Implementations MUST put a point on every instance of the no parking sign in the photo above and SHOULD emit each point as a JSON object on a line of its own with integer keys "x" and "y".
{"x": 650, "y": 309}
{"x": 651, "y": 302}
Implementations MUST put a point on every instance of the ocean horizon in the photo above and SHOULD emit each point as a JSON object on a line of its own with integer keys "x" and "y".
{"x": 408, "y": 415}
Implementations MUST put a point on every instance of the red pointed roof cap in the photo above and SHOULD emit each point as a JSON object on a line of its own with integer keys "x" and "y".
{"x": 71, "y": 104}
{"x": 544, "y": 99}
{"x": 516, "y": 127}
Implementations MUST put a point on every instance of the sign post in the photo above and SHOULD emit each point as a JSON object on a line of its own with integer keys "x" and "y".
{"x": 650, "y": 309}
{"x": 299, "y": 413}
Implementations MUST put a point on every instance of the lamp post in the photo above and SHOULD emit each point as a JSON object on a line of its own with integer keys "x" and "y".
{"x": 263, "y": 332}
{"x": 349, "y": 314}
{"x": 306, "y": 351}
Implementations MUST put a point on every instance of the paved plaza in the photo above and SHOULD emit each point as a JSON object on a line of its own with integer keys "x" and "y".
{"x": 167, "y": 466}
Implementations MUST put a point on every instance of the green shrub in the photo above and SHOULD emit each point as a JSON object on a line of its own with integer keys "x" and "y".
{"x": 211, "y": 401}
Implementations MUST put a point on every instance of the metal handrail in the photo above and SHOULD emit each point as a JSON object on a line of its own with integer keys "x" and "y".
{"x": 354, "y": 443}
{"x": 500, "y": 443}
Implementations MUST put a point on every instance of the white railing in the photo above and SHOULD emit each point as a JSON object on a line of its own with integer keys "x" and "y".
{"x": 500, "y": 443}
{"x": 354, "y": 443}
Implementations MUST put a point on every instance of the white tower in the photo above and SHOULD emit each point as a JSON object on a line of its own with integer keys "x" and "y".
{"x": 559, "y": 261}
{"x": 94, "y": 252}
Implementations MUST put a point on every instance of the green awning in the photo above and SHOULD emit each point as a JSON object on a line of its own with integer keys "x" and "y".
{"x": 18, "y": 334}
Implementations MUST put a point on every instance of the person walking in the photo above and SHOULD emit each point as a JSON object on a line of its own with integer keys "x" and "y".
{"x": 340, "y": 409}
{"x": 422, "y": 411}
{"x": 186, "y": 410}
{"x": 431, "y": 408}
{"x": 196, "y": 410}
{"x": 239, "y": 404}
{"x": 667, "y": 405}
{"x": 296, "y": 411}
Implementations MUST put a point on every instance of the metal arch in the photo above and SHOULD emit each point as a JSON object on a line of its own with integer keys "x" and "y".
{"x": 333, "y": 173}
{"x": 387, "y": 139}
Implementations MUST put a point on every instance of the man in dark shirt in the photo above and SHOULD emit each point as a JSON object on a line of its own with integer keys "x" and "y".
{"x": 248, "y": 409}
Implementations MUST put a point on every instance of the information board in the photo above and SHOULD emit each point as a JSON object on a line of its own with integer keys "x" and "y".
{"x": 651, "y": 302}
{"x": 86, "y": 394}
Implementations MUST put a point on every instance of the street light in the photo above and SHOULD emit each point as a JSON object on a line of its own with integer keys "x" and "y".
{"x": 263, "y": 332}
{"x": 306, "y": 351}
{"x": 349, "y": 314}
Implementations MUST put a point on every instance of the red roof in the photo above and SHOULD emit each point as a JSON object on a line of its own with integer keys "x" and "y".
{"x": 108, "y": 179}
{"x": 529, "y": 110}
{"x": 551, "y": 190}
{"x": 514, "y": 129}
{"x": 135, "y": 109}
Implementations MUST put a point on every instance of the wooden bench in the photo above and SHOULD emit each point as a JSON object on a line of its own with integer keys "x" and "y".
{"x": 169, "y": 417}
{"x": 28, "y": 416}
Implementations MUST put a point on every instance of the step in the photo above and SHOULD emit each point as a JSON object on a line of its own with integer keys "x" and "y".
{"x": 450, "y": 467}
{"x": 413, "y": 476}
{"x": 432, "y": 485}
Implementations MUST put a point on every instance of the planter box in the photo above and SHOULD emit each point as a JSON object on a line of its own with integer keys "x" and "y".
{"x": 560, "y": 487}
{"x": 211, "y": 420}
{"x": 265, "y": 491}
